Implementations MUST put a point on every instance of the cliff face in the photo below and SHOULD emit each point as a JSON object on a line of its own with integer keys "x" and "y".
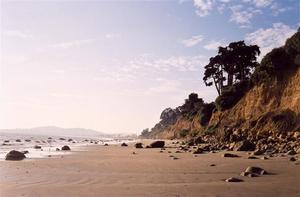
{"x": 270, "y": 107}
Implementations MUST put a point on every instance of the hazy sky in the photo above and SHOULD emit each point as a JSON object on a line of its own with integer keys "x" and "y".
{"x": 114, "y": 66}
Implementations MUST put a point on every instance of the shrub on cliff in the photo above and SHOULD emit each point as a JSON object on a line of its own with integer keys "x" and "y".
{"x": 231, "y": 95}
{"x": 206, "y": 113}
{"x": 279, "y": 61}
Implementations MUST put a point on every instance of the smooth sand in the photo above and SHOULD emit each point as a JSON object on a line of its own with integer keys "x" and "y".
{"x": 115, "y": 171}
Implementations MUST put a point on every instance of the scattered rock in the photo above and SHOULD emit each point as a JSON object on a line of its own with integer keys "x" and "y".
{"x": 6, "y": 141}
{"x": 124, "y": 144}
{"x": 15, "y": 156}
{"x": 252, "y": 157}
{"x": 57, "y": 149}
{"x": 255, "y": 170}
{"x": 229, "y": 155}
{"x": 175, "y": 158}
{"x": 27, "y": 140}
{"x": 133, "y": 153}
{"x": 198, "y": 151}
{"x": 37, "y": 147}
{"x": 293, "y": 159}
{"x": 62, "y": 138}
{"x": 105, "y": 144}
{"x": 258, "y": 152}
{"x": 245, "y": 145}
{"x": 65, "y": 148}
{"x": 233, "y": 179}
{"x": 157, "y": 144}
{"x": 248, "y": 174}
{"x": 18, "y": 140}
{"x": 291, "y": 152}
{"x": 138, "y": 145}
{"x": 212, "y": 165}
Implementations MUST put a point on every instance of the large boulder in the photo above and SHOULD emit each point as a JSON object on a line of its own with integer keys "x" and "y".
{"x": 157, "y": 144}
{"x": 65, "y": 148}
{"x": 138, "y": 145}
{"x": 245, "y": 145}
{"x": 15, "y": 156}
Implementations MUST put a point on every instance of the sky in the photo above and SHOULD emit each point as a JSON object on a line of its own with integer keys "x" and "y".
{"x": 113, "y": 66}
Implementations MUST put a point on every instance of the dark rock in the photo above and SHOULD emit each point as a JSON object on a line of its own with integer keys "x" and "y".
{"x": 198, "y": 151}
{"x": 256, "y": 170}
{"x": 65, "y": 148}
{"x": 293, "y": 159}
{"x": 199, "y": 140}
{"x": 15, "y": 156}
{"x": 27, "y": 140}
{"x": 57, "y": 149}
{"x": 62, "y": 138}
{"x": 252, "y": 157}
{"x": 70, "y": 140}
{"x": 233, "y": 179}
{"x": 258, "y": 152}
{"x": 212, "y": 165}
{"x": 6, "y": 141}
{"x": 37, "y": 147}
{"x": 124, "y": 144}
{"x": 291, "y": 152}
{"x": 248, "y": 174}
{"x": 18, "y": 140}
{"x": 175, "y": 158}
{"x": 105, "y": 144}
{"x": 245, "y": 145}
{"x": 138, "y": 145}
{"x": 157, "y": 144}
{"x": 229, "y": 155}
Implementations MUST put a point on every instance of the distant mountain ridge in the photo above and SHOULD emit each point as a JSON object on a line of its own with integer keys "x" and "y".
{"x": 57, "y": 131}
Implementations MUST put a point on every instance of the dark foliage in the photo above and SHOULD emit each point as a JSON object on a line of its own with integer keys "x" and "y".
{"x": 236, "y": 61}
{"x": 278, "y": 62}
{"x": 206, "y": 113}
{"x": 231, "y": 95}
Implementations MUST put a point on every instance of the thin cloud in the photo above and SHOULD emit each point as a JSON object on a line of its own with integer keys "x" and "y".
{"x": 270, "y": 38}
{"x": 192, "y": 41}
{"x": 72, "y": 44}
{"x": 213, "y": 45}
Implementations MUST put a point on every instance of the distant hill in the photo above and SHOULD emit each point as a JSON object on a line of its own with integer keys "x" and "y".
{"x": 57, "y": 131}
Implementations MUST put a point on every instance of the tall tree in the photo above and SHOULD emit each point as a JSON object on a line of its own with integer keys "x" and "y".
{"x": 237, "y": 60}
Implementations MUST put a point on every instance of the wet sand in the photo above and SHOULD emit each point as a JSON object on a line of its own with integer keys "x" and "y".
{"x": 115, "y": 171}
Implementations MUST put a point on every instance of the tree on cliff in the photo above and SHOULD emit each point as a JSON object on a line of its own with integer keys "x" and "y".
{"x": 236, "y": 60}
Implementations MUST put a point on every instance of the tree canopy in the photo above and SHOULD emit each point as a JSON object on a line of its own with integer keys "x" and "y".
{"x": 233, "y": 63}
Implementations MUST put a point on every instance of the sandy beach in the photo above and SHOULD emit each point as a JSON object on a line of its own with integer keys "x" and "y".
{"x": 116, "y": 171}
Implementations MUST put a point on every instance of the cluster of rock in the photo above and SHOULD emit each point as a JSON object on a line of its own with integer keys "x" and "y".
{"x": 270, "y": 144}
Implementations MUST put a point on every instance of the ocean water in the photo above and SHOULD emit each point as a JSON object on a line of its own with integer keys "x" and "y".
{"x": 21, "y": 142}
